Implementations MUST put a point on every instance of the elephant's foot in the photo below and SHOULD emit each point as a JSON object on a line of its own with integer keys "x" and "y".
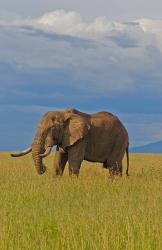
{"x": 57, "y": 173}
{"x": 115, "y": 170}
{"x": 73, "y": 172}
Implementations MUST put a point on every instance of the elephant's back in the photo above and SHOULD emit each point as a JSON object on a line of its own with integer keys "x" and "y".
{"x": 102, "y": 114}
{"x": 106, "y": 121}
{"x": 107, "y": 133}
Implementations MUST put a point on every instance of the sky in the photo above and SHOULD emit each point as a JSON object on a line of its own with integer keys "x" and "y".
{"x": 90, "y": 55}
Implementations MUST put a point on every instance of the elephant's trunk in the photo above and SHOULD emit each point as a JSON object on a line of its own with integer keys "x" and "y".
{"x": 37, "y": 149}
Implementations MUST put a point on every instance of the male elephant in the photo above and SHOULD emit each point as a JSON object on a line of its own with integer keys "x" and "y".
{"x": 98, "y": 137}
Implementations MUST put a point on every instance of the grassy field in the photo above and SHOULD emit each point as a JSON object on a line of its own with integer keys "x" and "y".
{"x": 92, "y": 212}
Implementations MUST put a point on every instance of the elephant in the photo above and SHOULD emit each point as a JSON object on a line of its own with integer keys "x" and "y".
{"x": 98, "y": 137}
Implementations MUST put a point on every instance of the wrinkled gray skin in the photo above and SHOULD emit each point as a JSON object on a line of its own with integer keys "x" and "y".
{"x": 99, "y": 137}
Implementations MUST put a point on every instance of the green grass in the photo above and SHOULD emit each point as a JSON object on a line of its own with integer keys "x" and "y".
{"x": 92, "y": 212}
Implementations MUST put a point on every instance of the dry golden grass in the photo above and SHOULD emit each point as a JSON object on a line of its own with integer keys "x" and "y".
{"x": 92, "y": 212}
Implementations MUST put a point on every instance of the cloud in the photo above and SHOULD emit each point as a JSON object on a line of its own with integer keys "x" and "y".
{"x": 90, "y": 53}
{"x": 66, "y": 23}
{"x": 59, "y": 60}
{"x": 71, "y": 23}
{"x": 148, "y": 25}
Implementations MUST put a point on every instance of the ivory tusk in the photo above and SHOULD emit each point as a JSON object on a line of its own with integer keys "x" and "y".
{"x": 46, "y": 153}
{"x": 25, "y": 152}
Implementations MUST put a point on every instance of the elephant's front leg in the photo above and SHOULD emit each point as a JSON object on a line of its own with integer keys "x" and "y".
{"x": 75, "y": 157}
{"x": 60, "y": 160}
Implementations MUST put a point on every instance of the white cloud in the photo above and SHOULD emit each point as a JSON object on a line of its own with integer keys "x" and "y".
{"x": 71, "y": 23}
{"x": 148, "y": 25}
{"x": 103, "y": 55}
{"x": 67, "y": 23}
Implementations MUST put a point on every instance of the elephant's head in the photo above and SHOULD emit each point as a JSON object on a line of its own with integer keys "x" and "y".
{"x": 62, "y": 128}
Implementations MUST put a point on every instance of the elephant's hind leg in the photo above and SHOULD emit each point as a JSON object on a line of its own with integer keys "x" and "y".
{"x": 115, "y": 169}
{"x": 59, "y": 163}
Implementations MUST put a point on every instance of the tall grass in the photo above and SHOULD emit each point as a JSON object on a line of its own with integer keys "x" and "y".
{"x": 91, "y": 212}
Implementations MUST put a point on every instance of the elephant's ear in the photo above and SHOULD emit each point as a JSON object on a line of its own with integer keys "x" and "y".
{"x": 76, "y": 128}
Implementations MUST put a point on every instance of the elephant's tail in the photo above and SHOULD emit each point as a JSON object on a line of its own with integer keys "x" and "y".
{"x": 127, "y": 154}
